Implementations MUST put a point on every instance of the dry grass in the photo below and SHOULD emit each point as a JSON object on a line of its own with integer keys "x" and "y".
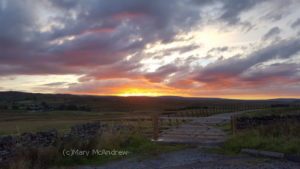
{"x": 17, "y": 123}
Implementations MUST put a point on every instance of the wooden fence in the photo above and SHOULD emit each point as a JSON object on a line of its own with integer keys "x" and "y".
{"x": 152, "y": 125}
{"x": 149, "y": 126}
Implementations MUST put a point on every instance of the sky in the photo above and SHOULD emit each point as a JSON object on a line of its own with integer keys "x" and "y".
{"x": 241, "y": 49}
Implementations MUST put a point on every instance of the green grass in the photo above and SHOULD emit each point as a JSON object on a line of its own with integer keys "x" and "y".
{"x": 272, "y": 111}
{"x": 15, "y": 123}
{"x": 283, "y": 138}
{"x": 279, "y": 137}
{"x": 225, "y": 126}
{"x": 136, "y": 144}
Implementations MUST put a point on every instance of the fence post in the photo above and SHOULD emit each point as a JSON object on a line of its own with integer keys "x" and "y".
{"x": 155, "y": 126}
{"x": 139, "y": 125}
{"x": 170, "y": 121}
{"x": 233, "y": 124}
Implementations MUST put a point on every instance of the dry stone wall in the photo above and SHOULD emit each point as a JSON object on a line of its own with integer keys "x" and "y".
{"x": 249, "y": 122}
{"x": 8, "y": 144}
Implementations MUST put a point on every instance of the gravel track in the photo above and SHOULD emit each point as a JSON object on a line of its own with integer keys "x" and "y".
{"x": 197, "y": 159}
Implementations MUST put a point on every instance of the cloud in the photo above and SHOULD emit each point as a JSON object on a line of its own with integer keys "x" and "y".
{"x": 108, "y": 43}
{"x": 219, "y": 49}
{"x": 227, "y": 72}
{"x": 279, "y": 10}
{"x": 76, "y": 39}
{"x": 55, "y": 84}
{"x": 271, "y": 33}
{"x": 162, "y": 73}
{"x": 85, "y": 36}
{"x": 296, "y": 23}
{"x": 118, "y": 86}
{"x": 233, "y": 9}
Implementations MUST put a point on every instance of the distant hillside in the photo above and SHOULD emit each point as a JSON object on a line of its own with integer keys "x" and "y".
{"x": 290, "y": 100}
{"x": 35, "y": 101}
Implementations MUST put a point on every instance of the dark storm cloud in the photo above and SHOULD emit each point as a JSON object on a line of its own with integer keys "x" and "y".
{"x": 271, "y": 33}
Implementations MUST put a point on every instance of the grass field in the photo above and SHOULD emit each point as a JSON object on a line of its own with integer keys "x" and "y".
{"x": 15, "y": 123}
{"x": 283, "y": 137}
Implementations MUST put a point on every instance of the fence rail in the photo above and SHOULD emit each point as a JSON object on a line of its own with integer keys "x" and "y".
{"x": 152, "y": 125}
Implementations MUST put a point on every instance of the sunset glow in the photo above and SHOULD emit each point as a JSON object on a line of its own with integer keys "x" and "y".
{"x": 138, "y": 92}
{"x": 228, "y": 49}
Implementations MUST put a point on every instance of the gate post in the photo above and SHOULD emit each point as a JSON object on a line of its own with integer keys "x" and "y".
{"x": 233, "y": 124}
{"x": 155, "y": 126}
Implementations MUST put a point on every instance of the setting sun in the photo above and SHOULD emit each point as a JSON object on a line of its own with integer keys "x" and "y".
{"x": 138, "y": 92}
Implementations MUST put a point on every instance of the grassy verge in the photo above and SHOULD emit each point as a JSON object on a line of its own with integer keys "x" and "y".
{"x": 278, "y": 137}
{"x": 131, "y": 142}
{"x": 283, "y": 138}
{"x": 271, "y": 111}
{"x": 134, "y": 143}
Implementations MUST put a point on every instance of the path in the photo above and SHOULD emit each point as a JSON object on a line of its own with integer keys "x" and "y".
{"x": 197, "y": 159}
{"x": 200, "y": 131}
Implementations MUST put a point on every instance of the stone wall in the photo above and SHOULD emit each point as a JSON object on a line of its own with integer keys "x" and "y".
{"x": 40, "y": 139}
{"x": 85, "y": 130}
{"x": 8, "y": 144}
{"x": 249, "y": 122}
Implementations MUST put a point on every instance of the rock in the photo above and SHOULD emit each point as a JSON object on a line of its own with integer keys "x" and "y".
{"x": 42, "y": 139}
{"x": 46, "y": 139}
{"x": 85, "y": 130}
{"x": 123, "y": 127}
{"x": 7, "y": 145}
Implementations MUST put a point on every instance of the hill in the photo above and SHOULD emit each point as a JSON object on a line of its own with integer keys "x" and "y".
{"x": 36, "y": 101}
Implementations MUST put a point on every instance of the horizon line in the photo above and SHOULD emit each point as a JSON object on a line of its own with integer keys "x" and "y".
{"x": 115, "y": 95}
